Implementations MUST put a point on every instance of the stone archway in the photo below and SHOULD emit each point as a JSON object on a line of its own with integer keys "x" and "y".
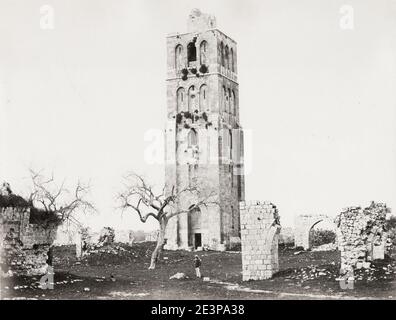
{"x": 303, "y": 225}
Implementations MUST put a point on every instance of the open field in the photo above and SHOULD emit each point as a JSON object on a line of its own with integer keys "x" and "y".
{"x": 120, "y": 272}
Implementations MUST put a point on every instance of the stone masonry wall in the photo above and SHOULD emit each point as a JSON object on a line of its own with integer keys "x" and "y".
{"x": 24, "y": 246}
{"x": 260, "y": 229}
{"x": 361, "y": 236}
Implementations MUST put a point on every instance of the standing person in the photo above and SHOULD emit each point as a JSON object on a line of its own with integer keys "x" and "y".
{"x": 197, "y": 264}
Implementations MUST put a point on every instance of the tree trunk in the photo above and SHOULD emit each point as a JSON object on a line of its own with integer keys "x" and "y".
{"x": 160, "y": 244}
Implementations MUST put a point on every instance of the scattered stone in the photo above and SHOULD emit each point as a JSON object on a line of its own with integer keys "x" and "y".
{"x": 326, "y": 247}
{"x": 179, "y": 276}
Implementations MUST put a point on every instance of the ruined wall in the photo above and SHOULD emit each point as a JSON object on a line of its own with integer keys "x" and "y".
{"x": 152, "y": 236}
{"x": 260, "y": 229}
{"x": 361, "y": 236}
{"x": 302, "y": 226}
{"x": 24, "y": 246}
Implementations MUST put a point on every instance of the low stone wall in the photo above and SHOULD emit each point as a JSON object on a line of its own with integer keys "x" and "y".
{"x": 361, "y": 236}
{"x": 260, "y": 229}
{"x": 24, "y": 246}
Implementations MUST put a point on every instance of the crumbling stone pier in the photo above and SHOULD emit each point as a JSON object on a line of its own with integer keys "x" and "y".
{"x": 260, "y": 229}
{"x": 361, "y": 236}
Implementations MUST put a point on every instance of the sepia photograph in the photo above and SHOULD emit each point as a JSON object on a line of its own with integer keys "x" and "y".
{"x": 217, "y": 152}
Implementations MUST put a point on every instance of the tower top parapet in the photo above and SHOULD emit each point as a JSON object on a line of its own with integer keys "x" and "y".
{"x": 199, "y": 21}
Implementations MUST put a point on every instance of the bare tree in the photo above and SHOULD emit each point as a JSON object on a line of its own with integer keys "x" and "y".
{"x": 139, "y": 196}
{"x": 57, "y": 200}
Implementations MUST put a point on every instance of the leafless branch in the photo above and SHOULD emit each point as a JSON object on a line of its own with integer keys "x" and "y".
{"x": 58, "y": 199}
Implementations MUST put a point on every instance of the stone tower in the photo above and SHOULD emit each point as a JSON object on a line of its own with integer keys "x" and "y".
{"x": 203, "y": 136}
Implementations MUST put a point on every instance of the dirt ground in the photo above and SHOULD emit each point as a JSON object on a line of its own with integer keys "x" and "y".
{"x": 121, "y": 272}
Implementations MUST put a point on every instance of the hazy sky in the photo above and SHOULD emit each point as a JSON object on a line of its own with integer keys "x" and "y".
{"x": 319, "y": 100}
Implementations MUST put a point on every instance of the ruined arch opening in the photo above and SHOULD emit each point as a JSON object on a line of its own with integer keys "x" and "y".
{"x": 321, "y": 233}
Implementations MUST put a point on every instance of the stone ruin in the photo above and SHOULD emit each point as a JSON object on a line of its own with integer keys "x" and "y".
{"x": 26, "y": 235}
{"x": 303, "y": 225}
{"x": 152, "y": 236}
{"x": 24, "y": 243}
{"x": 362, "y": 236}
{"x": 260, "y": 229}
{"x": 107, "y": 236}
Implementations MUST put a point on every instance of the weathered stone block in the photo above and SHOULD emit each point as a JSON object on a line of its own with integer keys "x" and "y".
{"x": 259, "y": 240}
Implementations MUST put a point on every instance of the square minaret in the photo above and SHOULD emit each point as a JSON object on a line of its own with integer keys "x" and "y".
{"x": 203, "y": 136}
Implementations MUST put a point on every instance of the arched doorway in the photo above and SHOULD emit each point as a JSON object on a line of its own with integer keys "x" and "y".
{"x": 303, "y": 226}
{"x": 195, "y": 228}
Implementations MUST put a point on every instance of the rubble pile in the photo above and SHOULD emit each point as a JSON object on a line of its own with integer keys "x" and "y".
{"x": 312, "y": 273}
{"x": 117, "y": 253}
{"x": 107, "y": 236}
{"x": 326, "y": 247}
{"x": 361, "y": 236}
{"x": 378, "y": 270}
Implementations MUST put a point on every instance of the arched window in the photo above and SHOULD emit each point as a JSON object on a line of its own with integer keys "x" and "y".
{"x": 203, "y": 48}
{"x": 192, "y": 138}
{"x": 230, "y": 143}
{"x": 192, "y": 99}
{"x": 180, "y": 98}
{"x": 226, "y": 57}
{"x": 179, "y": 57}
{"x": 191, "y": 52}
{"x": 224, "y": 106}
{"x": 203, "y": 98}
{"x": 234, "y": 106}
{"x": 232, "y": 60}
{"x": 222, "y": 53}
{"x": 232, "y": 217}
{"x": 230, "y": 104}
